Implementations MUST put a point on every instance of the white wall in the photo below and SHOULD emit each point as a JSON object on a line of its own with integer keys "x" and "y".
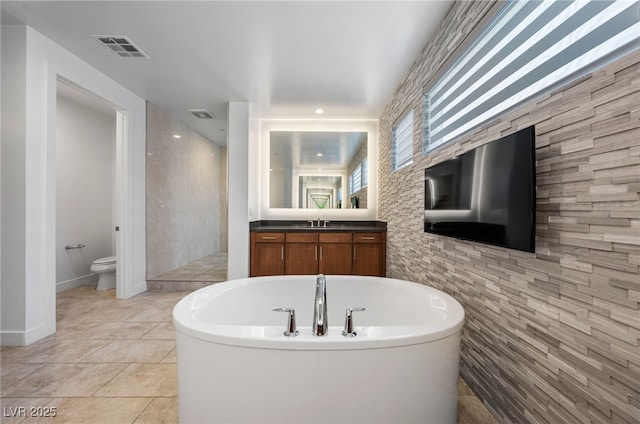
{"x": 31, "y": 65}
{"x": 13, "y": 177}
{"x": 239, "y": 171}
{"x": 85, "y": 164}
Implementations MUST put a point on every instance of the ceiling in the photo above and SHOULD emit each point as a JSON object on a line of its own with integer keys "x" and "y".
{"x": 284, "y": 57}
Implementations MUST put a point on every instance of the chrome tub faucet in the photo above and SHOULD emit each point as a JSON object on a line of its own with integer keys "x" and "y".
{"x": 320, "y": 324}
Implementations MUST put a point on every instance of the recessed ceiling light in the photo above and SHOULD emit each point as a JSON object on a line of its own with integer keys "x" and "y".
{"x": 318, "y": 154}
{"x": 319, "y": 111}
{"x": 177, "y": 136}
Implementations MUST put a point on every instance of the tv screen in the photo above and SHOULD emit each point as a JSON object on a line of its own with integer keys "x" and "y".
{"x": 486, "y": 194}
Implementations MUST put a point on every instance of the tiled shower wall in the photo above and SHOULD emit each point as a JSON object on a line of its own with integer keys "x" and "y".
{"x": 553, "y": 336}
{"x": 186, "y": 194}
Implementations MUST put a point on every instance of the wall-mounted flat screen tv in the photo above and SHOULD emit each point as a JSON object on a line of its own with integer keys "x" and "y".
{"x": 487, "y": 194}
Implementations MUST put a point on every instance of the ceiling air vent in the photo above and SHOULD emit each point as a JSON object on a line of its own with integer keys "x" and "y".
{"x": 121, "y": 46}
{"x": 202, "y": 113}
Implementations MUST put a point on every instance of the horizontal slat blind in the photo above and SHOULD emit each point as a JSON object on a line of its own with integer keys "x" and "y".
{"x": 355, "y": 179}
{"x": 365, "y": 173}
{"x": 529, "y": 48}
{"x": 403, "y": 142}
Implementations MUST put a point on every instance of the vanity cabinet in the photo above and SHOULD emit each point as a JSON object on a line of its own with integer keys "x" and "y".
{"x": 301, "y": 253}
{"x": 313, "y": 252}
{"x": 267, "y": 254}
{"x": 369, "y": 254}
{"x": 335, "y": 253}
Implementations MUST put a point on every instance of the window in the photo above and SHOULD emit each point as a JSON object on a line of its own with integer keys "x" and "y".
{"x": 529, "y": 48}
{"x": 402, "y": 142}
{"x": 365, "y": 176}
{"x": 358, "y": 178}
{"x": 355, "y": 179}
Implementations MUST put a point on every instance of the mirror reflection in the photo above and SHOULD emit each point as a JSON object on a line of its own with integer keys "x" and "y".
{"x": 318, "y": 170}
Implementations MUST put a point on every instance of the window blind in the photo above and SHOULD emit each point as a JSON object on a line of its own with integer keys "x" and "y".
{"x": 355, "y": 179}
{"x": 529, "y": 48}
{"x": 402, "y": 142}
{"x": 364, "y": 173}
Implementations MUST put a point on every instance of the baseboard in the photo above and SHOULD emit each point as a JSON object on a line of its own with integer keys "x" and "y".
{"x": 12, "y": 338}
{"x": 24, "y": 338}
{"x": 85, "y": 280}
{"x": 136, "y": 288}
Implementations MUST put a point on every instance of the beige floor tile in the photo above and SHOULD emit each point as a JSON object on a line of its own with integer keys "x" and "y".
{"x": 171, "y": 357}
{"x": 99, "y": 314}
{"x": 472, "y": 411}
{"x": 162, "y": 331}
{"x": 132, "y": 351}
{"x": 64, "y": 380}
{"x": 105, "y": 330}
{"x": 94, "y": 410}
{"x": 53, "y": 350}
{"x": 149, "y": 380}
{"x": 17, "y": 410}
{"x": 153, "y": 315}
{"x": 160, "y": 411}
{"x": 13, "y": 373}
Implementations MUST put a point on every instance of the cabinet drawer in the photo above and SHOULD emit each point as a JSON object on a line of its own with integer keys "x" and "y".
{"x": 302, "y": 237}
{"x": 269, "y": 237}
{"x": 367, "y": 237}
{"x": 335, "y": 237}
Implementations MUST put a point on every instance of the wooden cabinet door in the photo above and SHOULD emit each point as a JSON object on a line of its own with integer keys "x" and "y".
{"x": 301, "y": 253}
{"x": 267, "y": 254}
{"x": 335, "y": 253}
{"x": 367, "y": 259}
{"x": 335, "y": 258}
{"x": 301, "y": 258}
{"x": 369, "y": 254}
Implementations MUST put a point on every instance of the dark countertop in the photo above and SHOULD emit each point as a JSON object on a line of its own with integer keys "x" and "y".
{"x": 332, "y": 226}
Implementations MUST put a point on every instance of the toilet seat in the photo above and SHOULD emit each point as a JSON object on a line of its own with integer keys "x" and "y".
{"x": 108, "y": 260}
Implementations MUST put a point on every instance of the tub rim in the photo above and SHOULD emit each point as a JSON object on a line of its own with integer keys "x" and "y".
{"x": 271, "y": 337}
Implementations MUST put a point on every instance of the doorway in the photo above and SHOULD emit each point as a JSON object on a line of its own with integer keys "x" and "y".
{"x": 85, "y": 189}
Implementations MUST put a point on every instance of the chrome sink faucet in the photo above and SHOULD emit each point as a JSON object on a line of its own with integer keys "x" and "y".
{"x": 320, "y": 324}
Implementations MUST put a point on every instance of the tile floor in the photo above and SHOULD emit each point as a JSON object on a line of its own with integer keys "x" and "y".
{"x": 193, "y": 276}
{"x": 113, "y": 361}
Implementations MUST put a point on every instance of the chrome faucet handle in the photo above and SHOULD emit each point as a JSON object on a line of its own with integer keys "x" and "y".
{"x": 311, "y": 223}
{"x": 291, "y": 330}
{"x": 349, "y": 331}
{"x": 325, "y": 223}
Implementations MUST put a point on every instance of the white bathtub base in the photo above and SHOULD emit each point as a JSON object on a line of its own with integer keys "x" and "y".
{"x": 219, "y": 383}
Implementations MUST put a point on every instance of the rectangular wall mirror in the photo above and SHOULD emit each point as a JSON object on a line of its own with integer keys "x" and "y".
{"x": 318, "y": 170}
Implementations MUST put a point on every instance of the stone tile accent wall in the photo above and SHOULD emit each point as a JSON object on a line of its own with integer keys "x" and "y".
{"x": 184, "y": 194}
{"x": 550, "y": 337}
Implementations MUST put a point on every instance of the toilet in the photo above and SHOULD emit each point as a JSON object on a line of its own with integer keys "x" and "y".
{"x": 106, "y": 270}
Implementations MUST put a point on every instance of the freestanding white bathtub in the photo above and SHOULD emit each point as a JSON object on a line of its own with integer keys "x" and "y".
{"x": 235, "y": 365}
